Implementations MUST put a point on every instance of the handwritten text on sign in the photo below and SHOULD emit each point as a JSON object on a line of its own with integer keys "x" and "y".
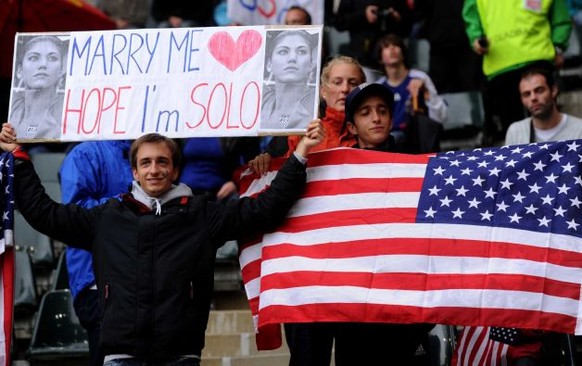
{"x": 185, "y": 82}
{"x": 168, "y": 81}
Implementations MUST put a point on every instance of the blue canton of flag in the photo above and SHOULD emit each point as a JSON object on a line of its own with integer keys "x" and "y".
{"x": 535, "y": 187}
{"x": 7, "y": 200}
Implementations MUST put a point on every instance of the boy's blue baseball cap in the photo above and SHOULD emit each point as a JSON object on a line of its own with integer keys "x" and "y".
{"x": 357, "y": 95}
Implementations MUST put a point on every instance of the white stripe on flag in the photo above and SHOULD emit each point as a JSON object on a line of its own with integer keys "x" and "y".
{"x": 345, "y": 202}
{"x": 380, "y": 170}
{"x": 397, "y": 263}
{"x": 461, "y": 298}
{"x": 428, "y": 231}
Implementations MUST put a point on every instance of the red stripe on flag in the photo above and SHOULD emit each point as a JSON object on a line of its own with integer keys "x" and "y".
{"x": 421, "y": 246}
{"x": 422, "y": 281}
{"x": 347, "y": 218}
{"x": 342, "y": 312}
{"x": 361, "y": 185}
{"x": 252, "y": 270}
{"x": 361, "y": 157}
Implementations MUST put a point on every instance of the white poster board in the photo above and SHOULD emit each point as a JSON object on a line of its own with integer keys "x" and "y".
{"x": 186, "y": 82}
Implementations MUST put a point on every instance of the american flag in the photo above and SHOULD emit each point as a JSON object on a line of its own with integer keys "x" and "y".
{"x": 6, "y": 255}
{"x": 482, "y": 237}
{"x": 476, "y": 348}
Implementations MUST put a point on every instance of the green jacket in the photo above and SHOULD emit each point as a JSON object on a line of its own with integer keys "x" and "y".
{"x": 517, "y": 35}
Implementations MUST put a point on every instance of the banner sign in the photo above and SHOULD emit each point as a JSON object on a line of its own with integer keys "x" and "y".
{"x": 271, "y": 11}
{"x": 186, "y": 82}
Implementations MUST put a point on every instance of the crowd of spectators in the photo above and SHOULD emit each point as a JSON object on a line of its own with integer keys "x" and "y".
{"x": 470, "y": 50}
{"x": 460, "y": 35}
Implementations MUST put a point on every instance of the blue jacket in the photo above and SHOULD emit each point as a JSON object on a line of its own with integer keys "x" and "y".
{"x": 91, "y": 173}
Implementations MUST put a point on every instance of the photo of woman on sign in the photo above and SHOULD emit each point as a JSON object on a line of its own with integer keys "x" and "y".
{"x": 37, "y": 87}
{"x": 289, "y": 86}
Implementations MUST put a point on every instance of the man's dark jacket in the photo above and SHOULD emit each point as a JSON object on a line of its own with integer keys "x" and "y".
{"x": 155, "y": 272}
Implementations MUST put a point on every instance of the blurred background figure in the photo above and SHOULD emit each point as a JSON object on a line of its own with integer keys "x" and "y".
{"x": 127, "y": 14}
{"x": 182, "y": 14}
{"x": 407, "y": 84}
{"x": 367, "y": 21}
{"x": 296, "y": 15}
{"x": 453, "y": 66}
{"x": 209, "y": 163}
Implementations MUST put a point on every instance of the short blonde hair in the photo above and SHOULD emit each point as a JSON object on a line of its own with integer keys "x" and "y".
{"x": 341, "y": 59}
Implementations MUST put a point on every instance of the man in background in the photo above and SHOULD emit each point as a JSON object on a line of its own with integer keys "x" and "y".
{"x": 512, "y": 35}
{"x": 296, "y": 15}
{"x": 538, "y": 92}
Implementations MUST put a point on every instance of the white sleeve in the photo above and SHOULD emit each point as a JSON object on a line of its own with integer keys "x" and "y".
{"x": 437, "y": 107}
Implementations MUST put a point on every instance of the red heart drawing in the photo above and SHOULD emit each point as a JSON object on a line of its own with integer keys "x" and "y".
{"x": 233, "y": 54}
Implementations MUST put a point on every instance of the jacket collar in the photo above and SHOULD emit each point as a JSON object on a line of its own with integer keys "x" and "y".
{"x": 155, "y": 203}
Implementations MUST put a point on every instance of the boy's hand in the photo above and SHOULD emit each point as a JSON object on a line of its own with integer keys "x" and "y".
{"x": 314, "y": 136}
{"x": 260, "y": 164}
{"x": 8, "y": 138}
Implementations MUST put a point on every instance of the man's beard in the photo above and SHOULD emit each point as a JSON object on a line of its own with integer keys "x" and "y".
{"x": 543, "y": 113}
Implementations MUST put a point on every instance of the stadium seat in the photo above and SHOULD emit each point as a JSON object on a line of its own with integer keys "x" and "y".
{"x": 464, "y": 109}
{"x": 47, "y": 165}
{"x": 53, "y": 189}
{"x": 25, "y": 291}
{"x": 419, "y": 53}
{"x": 338, "y": 41}
{"x": 38, "y": 245}
{"x": 58, "y": 337}
{"x": 465, "y": 119}
{"x": 61, "y": 276}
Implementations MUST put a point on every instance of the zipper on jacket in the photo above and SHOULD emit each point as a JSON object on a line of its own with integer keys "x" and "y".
{"x": 191, "y": 291}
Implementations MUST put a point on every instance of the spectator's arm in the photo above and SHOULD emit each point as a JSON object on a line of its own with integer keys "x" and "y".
{"x": 437, "y": 107}
{"x": 473, "y": 26}
{"x": 80, "y": 180}
{"x": 349, "y": 17}
{"x": 561, "y": 24}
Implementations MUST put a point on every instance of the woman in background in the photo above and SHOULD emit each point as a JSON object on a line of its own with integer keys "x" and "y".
{"x": 339, "y": 76}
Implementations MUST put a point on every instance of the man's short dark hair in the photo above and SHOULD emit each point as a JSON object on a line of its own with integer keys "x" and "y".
{"x": 300, "y": 8}
{"x": 543, "y": 69}
{"x": 155, "y": 138}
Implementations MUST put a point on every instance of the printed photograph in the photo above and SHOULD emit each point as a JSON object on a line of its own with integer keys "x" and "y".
{"x": 38, "y": 82}
{"x": 289, "y": 79}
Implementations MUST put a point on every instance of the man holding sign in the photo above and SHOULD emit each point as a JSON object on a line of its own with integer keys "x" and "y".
{"x": 154, "y": 250}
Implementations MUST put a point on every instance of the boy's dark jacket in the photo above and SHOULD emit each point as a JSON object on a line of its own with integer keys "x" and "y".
{"x": 155, "y": 272}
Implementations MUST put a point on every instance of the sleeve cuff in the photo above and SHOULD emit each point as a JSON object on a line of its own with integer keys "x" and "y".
{"x": 301, "y": 159}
